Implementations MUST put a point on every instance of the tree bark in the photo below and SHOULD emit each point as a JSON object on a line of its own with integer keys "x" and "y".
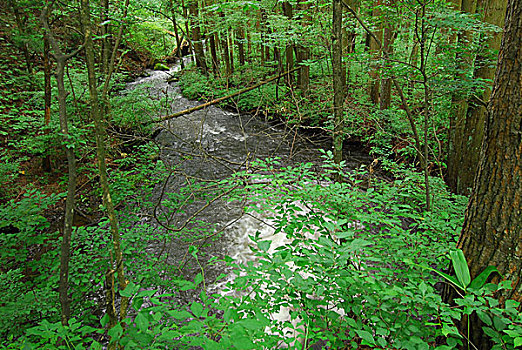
{"x": 338, "y": 81}
{"x": 196, "y": 37}
{"x": 303, "y": 53}
{"x": 492, "y": 232}
{"x": 289, "y": 51}
{"x": 46, "y": 161}
{"x": 213, "y": 54}
{"x": 240, "y": 39}
{"x": 65, "y": 248}
{"x": 178, "y": 38}
{"x": 469, "y": 130}
{"x": 375, "y": 52}
{"x": 117, "y": 264}
{"x": 386, "y": 83}
{"x": 459, "y": 107}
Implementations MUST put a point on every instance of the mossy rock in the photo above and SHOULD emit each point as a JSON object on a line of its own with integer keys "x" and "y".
{"x": 161, "y": 66}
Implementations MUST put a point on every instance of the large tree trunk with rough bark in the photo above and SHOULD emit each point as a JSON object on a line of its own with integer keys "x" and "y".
{"x": 492, "y": 232}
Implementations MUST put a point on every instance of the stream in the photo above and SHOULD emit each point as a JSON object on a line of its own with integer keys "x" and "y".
{"x": 206, "y": 146}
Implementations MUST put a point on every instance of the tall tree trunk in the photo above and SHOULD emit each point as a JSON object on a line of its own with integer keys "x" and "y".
{"x": 289, "y": 51}
{"x": 187, "y": 32}
{"x": 226, "y": 54}
{"x": 349, "y": 39}
{"x": 213, "y": 54}
{"x": 240, "y": 42}
{"x": 492, "y": 232}
{"x": 375, "y": 52}
{"x": 338, "y": 84}
{"x": 302, "y": 53}
{"x": 106, "y": 46}
{"x": 385, "y": 93}
{"x": 230, "y": 42}
{"x": 196, "y": 37}
{"x": 468, "y": 136}
{"x": 46, "y": 161}
{"x": 178, "y": 38}
{"x": 459, "y": 107}
{"x": 65, "y": 249}
{"x": 96, "y": 113}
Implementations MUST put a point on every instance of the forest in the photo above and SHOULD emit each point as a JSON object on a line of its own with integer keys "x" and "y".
{"x": 261, "y": 174}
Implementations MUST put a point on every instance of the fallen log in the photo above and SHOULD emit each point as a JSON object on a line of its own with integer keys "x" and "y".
{"x": 213, "y": 102}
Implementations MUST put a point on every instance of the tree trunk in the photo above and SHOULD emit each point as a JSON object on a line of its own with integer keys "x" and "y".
{"x": 230, "y": 42}
{"x": 289, "y": 51}
{"x": 213, "y": 54}
{"x": 178, "y": 39}
{"x": 385, "y": 93}
{"x": 375, "y": 52}
{"x": 46, "y": 161}
{"x": 469, "y": 133}
{"x": 338, "y": 84}
{"x": 65, "y": 249}
{"x": 196, "y": 37}
{"x": 459, "y": 107}
{"x": 492, "y": 232}
{"x": 240, "y": 39}
{"x": 106, "y": 47}
{"x": 226, "y": 55}
{"x": 117, "y": 265}
{"x": 303, "y": 53}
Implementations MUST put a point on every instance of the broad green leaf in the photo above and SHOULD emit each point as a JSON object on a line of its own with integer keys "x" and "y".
{"x": 198, "y": 279}
{"x": 115, "y": 332}
{"x": 366, "y": 336}
{"x": 142, "y": 322}
{"x": 484, "y": 317}
{"x": 518, "y": 342}
{"x": 197, "y": 309}
{"x": 481, "y": 279}
{"x": 461, "y": 267}
{"x": 264, "y": 245}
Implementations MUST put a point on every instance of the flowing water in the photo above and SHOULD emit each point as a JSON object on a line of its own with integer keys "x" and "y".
{"x": 209, "y": 145}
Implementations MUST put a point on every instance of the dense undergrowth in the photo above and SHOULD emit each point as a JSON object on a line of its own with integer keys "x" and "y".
{"x": 358, "y": 270}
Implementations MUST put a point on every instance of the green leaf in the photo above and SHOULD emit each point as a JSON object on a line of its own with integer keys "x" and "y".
{"x": 196, "y": 308}
{"x": 142, "y": 322}
{"x": 264, "y": 245}
{"x": 250, "y": 324}
{"x": 104, "y": 320}
{"x": 130, "y": 290}
{"x": 481, "y": 279}
{"x": 198, "y": 279}
{"x": 461, "y": 267}
{"x": 484, "y": 317}
{"x": 366, "y": 336}
{"x": 115, "y": 332}
{"x": 518, "y": 342}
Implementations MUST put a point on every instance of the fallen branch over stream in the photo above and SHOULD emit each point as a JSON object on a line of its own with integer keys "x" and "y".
{"x": 213, "y": 102}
